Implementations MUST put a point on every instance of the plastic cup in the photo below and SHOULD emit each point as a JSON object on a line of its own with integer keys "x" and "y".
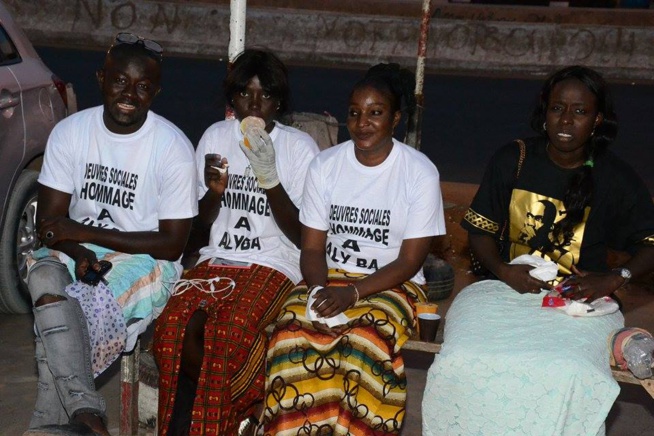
{"x": 428, "y": 326}
{"x": 426, "y": 308}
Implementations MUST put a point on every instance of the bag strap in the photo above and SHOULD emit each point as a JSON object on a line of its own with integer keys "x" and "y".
{"x": 521, "y": 159}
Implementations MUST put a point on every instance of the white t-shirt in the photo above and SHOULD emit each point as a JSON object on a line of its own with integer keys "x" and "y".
{"x": 123, "y": 182}
{"x": 368, "y": 211}
{"x": 245, "y": 229}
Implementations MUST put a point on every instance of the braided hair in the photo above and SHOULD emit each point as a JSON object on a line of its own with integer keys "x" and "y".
{"x": 579, "y": 192}
{"x": 397, "y": 83}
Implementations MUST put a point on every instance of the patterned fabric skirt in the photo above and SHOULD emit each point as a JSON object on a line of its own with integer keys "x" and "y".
{"x": 232, "y": 376}
{"x": 353, "y": 384}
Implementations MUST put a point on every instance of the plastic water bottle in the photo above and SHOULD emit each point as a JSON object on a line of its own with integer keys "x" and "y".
{"x": 638, "y": 355}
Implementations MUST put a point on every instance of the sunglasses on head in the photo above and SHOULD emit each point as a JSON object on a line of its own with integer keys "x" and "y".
{"x": 130, "y": 38}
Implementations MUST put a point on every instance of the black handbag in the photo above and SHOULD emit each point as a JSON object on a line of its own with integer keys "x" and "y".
{"x": 477, "y": 268}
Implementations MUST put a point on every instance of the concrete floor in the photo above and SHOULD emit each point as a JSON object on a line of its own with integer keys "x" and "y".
{"x": 632, "y": 414}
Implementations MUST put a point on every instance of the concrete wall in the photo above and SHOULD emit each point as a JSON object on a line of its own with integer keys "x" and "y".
{"x": 488, "y": 39}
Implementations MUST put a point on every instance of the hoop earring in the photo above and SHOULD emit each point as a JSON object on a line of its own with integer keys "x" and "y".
{"x": 545, "y": 126}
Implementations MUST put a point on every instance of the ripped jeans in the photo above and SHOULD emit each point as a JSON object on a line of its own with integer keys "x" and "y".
{"x": 66, "y": 386}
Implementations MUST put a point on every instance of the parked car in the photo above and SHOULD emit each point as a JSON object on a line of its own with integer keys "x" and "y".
{"x": 32, "y": 101}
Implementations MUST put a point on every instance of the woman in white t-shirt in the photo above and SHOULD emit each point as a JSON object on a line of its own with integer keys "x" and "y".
{"x": 210, "y": 341}
{"x": 370, "y": 209}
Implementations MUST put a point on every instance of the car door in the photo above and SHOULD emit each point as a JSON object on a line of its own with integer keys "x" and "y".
{"x": 12, "y": 123}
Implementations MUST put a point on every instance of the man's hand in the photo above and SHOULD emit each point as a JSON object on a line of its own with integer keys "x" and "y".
{"x": 258, "y": 148}
{"x": 59, "y": 228}
{"x": 84, "y": 259}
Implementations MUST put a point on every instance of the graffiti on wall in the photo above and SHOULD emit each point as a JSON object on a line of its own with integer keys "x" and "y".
{"x": 203, "y": 28}
{"x": 542, "y": 43}
{"x": 124, "y": 15}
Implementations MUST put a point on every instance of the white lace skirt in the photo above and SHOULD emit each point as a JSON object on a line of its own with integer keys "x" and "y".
{"x": 510, "y": 367}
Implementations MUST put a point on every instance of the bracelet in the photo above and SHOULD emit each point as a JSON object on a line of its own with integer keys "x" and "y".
{"x": 356, "y": 292}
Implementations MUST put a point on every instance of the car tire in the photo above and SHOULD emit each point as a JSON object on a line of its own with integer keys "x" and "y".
{"x": 18, "y": 240}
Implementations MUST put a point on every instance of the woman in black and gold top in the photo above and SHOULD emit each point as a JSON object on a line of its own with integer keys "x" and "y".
{"x": 571, "y": 189}
{"x": 568, "y": 200}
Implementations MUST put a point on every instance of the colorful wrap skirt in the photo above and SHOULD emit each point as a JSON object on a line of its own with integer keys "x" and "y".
{"x": 353, "y": 384}
{"x": 232, "y": 376}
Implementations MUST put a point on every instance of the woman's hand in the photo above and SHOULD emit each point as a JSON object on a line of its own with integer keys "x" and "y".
{"x": 332, "y": 300}
{"x": 215, "y": 173}
{"x": 590, "y": 285}
{"x": 334, "y": 332}
{"x": 59, "y": 228}
{"x": 518, "y": 277}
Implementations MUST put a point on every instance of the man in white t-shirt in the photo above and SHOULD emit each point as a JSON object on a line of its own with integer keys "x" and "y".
{"x": 118, "y": 184}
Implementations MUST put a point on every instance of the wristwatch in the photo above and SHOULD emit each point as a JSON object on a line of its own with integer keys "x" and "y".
{"x": 624, "y": 273}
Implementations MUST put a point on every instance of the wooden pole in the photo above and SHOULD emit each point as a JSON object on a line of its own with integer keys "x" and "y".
{"x": 414, "y": 123}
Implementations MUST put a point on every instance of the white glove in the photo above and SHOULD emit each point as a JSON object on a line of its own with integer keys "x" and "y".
{"x": 258, "y": 148}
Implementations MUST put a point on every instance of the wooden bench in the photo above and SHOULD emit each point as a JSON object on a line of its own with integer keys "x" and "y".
{"x": 138, "y": 368}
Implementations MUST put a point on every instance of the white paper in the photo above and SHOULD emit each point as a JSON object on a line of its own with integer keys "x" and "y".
{"x": 544, "y": 270}
{"x": 312, "y": 315}
{"x": 599, "y": 307}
